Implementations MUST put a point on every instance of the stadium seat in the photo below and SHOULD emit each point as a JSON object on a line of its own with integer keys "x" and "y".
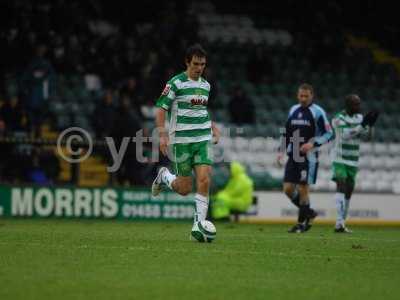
{"x": 366, "y": 186}
{"x": 394, "y": 148}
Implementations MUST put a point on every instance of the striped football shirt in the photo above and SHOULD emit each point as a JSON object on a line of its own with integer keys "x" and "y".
{"x": 187, "y": 99}
{"x": 348, "y": 132}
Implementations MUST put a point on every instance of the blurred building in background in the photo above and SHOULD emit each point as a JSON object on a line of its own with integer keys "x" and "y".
{"x": 100, "y": 66}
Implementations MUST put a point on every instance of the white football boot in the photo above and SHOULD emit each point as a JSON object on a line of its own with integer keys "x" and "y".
{"x": 157, "y": 183}
{"x": 195, "y": 233}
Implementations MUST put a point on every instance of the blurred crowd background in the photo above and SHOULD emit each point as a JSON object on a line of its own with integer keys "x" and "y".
{"x": 101, "y": 66}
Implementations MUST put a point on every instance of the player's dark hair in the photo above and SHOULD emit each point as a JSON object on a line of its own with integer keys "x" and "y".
{"x": 195, "y": 50}
{"x": 348, "y": 100}
{"x": 307, "y": 87}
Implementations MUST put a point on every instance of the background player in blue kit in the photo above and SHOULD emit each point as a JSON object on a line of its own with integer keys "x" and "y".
{"x": 307, "y": 128}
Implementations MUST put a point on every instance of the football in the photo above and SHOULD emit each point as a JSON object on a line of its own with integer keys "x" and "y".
{"x": 205, "y": 231}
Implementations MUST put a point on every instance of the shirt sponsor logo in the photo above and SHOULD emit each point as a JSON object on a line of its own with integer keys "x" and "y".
{"x": 301, "y": 122}
{"x": 166, "y": 90}
{"x": 199, "y": 101}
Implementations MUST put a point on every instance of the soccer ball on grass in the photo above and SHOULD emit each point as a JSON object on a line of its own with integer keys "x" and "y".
{"x": 204, "y": 231}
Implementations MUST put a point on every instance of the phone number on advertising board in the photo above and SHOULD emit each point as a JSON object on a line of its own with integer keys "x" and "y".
{"x": 167, "y": 211}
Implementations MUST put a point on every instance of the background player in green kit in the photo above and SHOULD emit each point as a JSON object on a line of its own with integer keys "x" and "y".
{"x": 185, "y": 96}
{"x": 349, "y": 126}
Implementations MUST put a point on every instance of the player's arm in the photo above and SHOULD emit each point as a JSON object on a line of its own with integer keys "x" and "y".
{"x": 351, "y": 133}
{"x": 215, "y": 132}
{"x": 164, "y": 103}
{"x": 347, "y": 133}
{"x": 325, "y": 129}
{"x": 368, "y": 123}
{"x": 325, "y": 133}
{"x": 162, "y": 132}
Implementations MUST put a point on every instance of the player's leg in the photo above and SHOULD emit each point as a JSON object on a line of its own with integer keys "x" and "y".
{"x": 340, "y": 204}
{"x": 304, "y": 214}
{"x": 182, "y": 185}
{"x": 181, "y": 181}
{"x": 340, "y": 177}
{"x": 304, "y": 207}
{"x": 290, "y": 190}
{"x": 307, "y": 175}
{"x": 312, "y": 171}
{"x": 351, "y": 182}
{"x": 202, "y": 161}
{"x": 289, "y": 187}
{"x": 348, "y": 192}
{"x": 203, "y": 174}
{"x": 201, "y": 198}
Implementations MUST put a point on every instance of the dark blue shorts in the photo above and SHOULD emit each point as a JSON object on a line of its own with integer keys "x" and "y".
{"x": 301, "y": 172}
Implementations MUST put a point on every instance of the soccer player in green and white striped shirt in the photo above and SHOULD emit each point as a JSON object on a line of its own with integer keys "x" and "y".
{"x": 185, "y": 96}
{"x": 349, "y": 126}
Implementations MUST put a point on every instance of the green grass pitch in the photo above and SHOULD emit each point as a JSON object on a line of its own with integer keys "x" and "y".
{"x": 65, "y": 259}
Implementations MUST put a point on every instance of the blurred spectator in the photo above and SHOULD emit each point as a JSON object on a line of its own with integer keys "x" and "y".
{"x": 5, "y": 149}
{"x": 259, "y": 67}
{"x": 127, "y": 125}
{"x": 105, "y": 115}
{"x": 148, "y": 110}
{"x": 43, "y": 168}
{"x": 151, "y": 74}
{"x": 130, "y": 90}
{"x": 49, "y": 163}
{"x": 241, "y": 108}
{"x": 213, "y": 97}
{"x": 236, "y": 196}
{"x": 37, "y": 85}
{"x": 14, "y": 122}
{"x": 58, "y": 54}
{"x": 14, "y": 116}
{"x": 73, "y": 55}
{"x": 35, "y": 172}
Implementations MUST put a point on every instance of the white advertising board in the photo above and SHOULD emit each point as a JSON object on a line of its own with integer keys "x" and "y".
{"x": 364, "y": 208}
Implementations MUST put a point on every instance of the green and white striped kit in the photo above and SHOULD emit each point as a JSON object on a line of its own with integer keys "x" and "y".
{"x": 348, "y": 131}
{"x": 189, "y": 118}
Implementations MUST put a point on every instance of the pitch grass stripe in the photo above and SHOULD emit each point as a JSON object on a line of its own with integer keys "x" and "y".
{"x": 210, "y": 250}
{"x": 192, "y": 92}
{"x": 192, "y": 120}
{"x": 193, "y": 133}
{"x": 205, "y": 231}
